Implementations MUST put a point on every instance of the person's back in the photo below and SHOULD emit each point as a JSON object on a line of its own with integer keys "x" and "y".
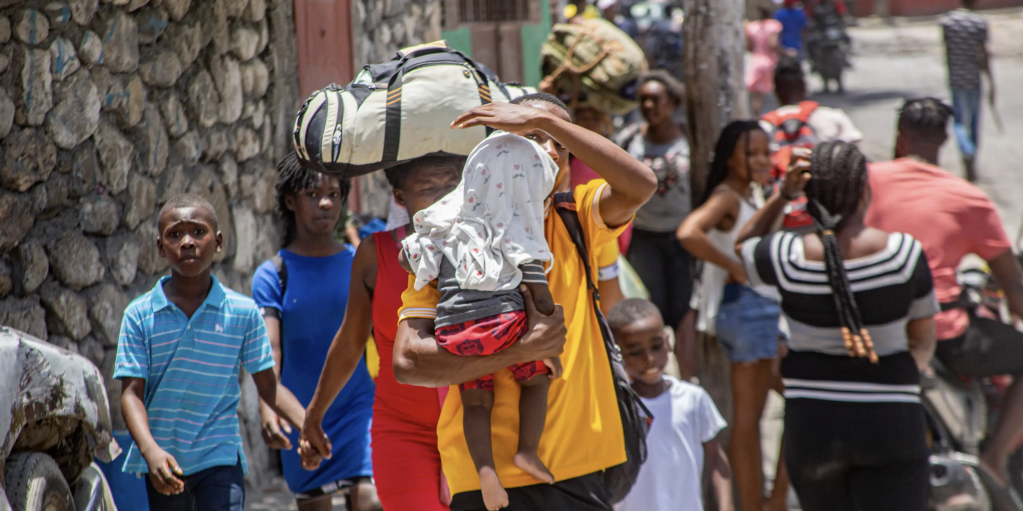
{"x": 793, "y": 21}
{"x": 965, "y": 34}
{"x": 949, "y": 216}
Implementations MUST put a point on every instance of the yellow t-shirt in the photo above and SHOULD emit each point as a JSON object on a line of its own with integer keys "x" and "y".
{"x": 583, "y": 433}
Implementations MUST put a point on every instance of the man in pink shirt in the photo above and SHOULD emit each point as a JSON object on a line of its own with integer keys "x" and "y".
{"x": 953, "y": 218}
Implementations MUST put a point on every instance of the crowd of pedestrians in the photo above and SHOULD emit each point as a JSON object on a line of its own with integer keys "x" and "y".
{"x": 823, "y": 277}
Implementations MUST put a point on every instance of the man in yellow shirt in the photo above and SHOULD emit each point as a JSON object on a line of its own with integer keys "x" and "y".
{"x": 583, "y": 432}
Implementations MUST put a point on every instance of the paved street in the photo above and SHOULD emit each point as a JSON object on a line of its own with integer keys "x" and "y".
{"x": 893, "y": 62}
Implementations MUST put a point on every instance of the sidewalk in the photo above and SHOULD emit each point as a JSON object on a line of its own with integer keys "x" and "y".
{"x": 914, "y": 36}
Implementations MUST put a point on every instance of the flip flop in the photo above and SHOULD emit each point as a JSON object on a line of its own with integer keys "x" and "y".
{"x": 1003, "y": 498}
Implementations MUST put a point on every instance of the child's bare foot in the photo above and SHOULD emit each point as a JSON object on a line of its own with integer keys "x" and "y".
{"x": 494, "y": 496}
{"x": 530, "y": 463}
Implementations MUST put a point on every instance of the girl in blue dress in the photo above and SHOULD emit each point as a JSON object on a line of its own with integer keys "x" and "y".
{"x": 302, "y": 293}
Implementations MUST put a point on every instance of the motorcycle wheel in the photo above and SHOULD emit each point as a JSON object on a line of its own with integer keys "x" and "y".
{"x": 34, "y": 483}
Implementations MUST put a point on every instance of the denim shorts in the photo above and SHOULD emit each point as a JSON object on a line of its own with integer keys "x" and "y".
{"x": 747, "y": 324}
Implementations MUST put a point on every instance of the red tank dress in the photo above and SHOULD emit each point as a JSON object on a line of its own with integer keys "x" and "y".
{"x": 406, "y": 462}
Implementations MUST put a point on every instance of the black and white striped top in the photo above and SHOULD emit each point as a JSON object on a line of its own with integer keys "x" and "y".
{"x": 892, "y": 287}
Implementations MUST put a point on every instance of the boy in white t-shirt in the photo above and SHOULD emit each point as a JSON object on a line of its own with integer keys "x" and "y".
{"x": 683, "y": 438}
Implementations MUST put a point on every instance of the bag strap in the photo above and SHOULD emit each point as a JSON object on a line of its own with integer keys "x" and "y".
{"x": 564, "y": 203}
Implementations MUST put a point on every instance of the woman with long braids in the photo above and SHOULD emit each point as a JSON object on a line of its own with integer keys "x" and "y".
{"x": 745, "y": 323}
{"x": 858, "y": 304}
{"x": 302, "y": 312}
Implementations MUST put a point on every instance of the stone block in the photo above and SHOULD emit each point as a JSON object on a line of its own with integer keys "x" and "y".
{"x": 31, "y": 26}
{"x": 150, "y": 262}
{"x": 59, "y": 14}
{"x": 255, "y": 78}
{"x": 189, "y": 147}
{"x": 5, "y": 61}
{"x": 90, "y": 50}
{"x": 5, "y": 29}
{"x": 217, "y": 27}
{"x": 65, "y": 343}
{"x": 36, "y": 97}
{"x": 173, "y": 183}
{"x": 162, "y": 71}
{"x": 141, "y": 200}
{"x": 155, "y": 144}
{"x": 82, "y": 11}
{"x": 134, "y": 5}
{"x": 110, "y": 88}
{"x": 121, "y": 43}
{"x": 394, "y": 7}
{"x": 33, "y": 266}
{"x": 247, "y": 144}
{"x": 98, "y": 215}
{"x": 234, "y": 8}
{"x": 107, "y": 304}
{"x": 84, "y": 170}
{"x": 67, "y": 312}
{"x": 228, "y": 79}
{"x": 29, "y": 157}
{"x": 76, "y": 116}
{"x": 264, "y": 35}
{"x": 174, "y": 116}
{"x": 267, "y": 137}
{"x": 186, "y": 40}
{"x": 25, "y": 315}
{"x": 52, "y": 195}
{"x": 133, "y": 103}
{"x": 116, "y": 155}
{"x": 6, "y": 283}
{"x": 255, "y": 11}
{"x": 175, "y": 8}
{"x": 64, "y": 58}
{"x": 152, "y": 22}
{"x": 7, "y": 109}
{"x": 203, "y": 99}
{"x": 218, "y": 143}
{"x": 229, "y": 176}
{"x": 244, "y": 42}
{"x": 120, "y": 254}
{"x": 93, "y": 350}
{"x": 74, "y": 260}
{"x": 245, "y": 233}
{"x": 257, "y": 183}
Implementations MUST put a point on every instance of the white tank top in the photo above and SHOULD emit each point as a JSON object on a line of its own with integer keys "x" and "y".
{"x": 707, "y": 298}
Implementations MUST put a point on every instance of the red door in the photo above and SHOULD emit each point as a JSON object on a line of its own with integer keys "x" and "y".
{"x": 324, "y": 35}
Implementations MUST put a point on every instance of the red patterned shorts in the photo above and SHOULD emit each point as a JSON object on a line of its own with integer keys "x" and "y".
{"x": 488, "y": 336}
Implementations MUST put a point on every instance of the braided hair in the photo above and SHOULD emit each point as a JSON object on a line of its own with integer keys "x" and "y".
{"x": 293, "y": 178}
{"x": 723, "y": 151}
{"x": 927, "y": 117}
{"x": 833, "y": 197}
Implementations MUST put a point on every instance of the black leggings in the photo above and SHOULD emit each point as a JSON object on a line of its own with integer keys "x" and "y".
{"x": 857, "y": 456}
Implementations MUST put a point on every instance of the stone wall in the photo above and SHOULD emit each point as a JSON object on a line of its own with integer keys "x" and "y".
{"x": 379, "y": 29}
{"x": 107, "y": 109}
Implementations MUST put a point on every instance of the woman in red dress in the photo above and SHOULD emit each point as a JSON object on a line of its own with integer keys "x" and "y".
{"x": 406, "y": 463}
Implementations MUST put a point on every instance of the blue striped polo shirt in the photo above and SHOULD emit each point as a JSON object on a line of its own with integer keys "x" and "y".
{"x": 191, "y": 372}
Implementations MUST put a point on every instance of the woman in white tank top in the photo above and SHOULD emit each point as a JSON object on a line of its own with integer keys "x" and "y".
{"x": 744, "y": 322}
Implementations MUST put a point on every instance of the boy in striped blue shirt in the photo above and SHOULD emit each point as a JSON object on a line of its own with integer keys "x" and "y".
{"x": 180, "y": 349}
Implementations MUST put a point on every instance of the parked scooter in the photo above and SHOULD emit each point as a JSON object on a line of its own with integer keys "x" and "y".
{"x": 828, "y": 45}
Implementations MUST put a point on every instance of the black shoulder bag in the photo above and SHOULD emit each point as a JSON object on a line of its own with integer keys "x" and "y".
{"x": 636, "y": 418}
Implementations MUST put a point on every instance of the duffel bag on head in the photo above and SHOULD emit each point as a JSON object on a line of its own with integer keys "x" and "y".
{"x": 396, "y": 111}
{"x": 593, "y": 62}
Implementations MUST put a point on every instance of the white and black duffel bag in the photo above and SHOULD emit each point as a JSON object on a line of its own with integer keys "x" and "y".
{"x": 396, "y": 111}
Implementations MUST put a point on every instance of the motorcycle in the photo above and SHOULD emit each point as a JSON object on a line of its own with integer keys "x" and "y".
{"x": 828, "y": 47}
{"x": 959, "y": 411}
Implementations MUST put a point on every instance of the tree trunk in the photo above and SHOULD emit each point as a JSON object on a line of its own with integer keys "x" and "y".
{"x": 713, "y": 50}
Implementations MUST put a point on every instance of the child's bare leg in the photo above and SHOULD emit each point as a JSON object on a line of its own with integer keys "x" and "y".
{"x": 476, "y": 407}
{"x": 541, "y": 297}
{"x": 532, "y": 415}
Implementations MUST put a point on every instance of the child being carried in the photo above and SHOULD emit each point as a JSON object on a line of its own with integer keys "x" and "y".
{"x": 479, "y": 243}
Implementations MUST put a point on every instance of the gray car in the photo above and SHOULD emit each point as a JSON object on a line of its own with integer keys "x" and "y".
{"x": 55, "y": 420}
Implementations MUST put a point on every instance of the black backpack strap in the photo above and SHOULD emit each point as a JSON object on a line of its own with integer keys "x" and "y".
{"x": 282, "y": 278}
{"x": 564, "y": 204}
